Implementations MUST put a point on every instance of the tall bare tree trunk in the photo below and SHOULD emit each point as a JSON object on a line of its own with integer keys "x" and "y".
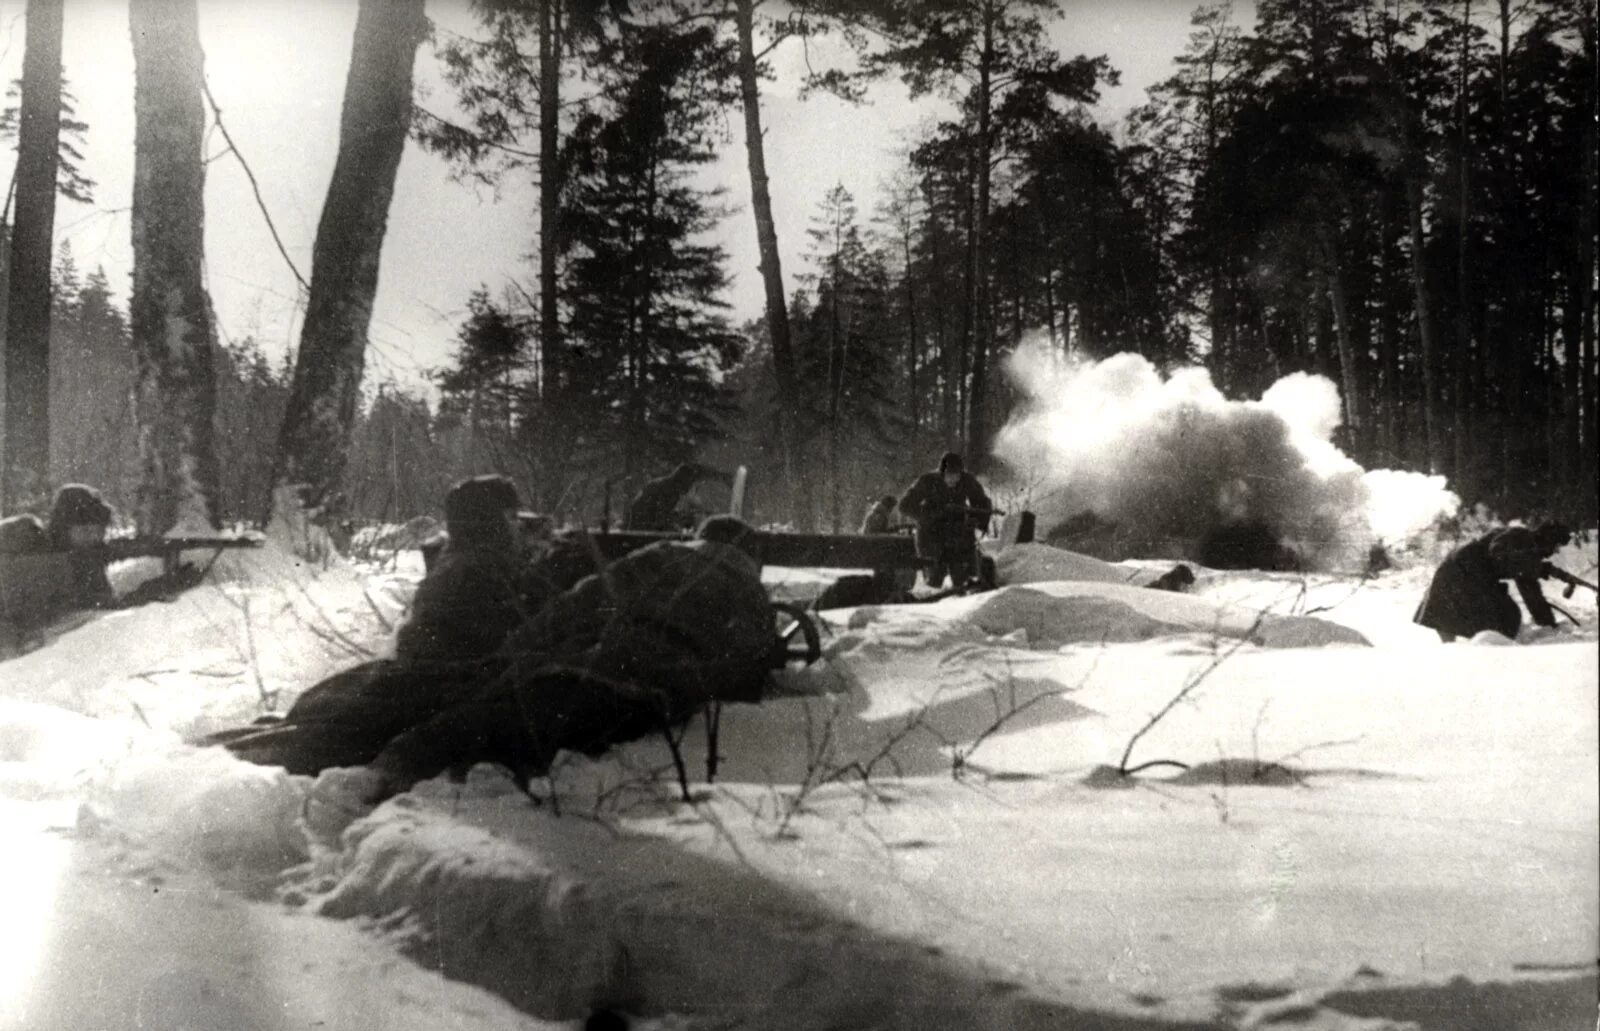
{"x": 315, "y": 439}
{"x": 1587, "y": 455}
{"x": 797, "y": 473}
{"x": 1425, "y": 330}
{"x": 552, "y": 375}
{"x": 1461, "y": 355}
{"x": 982, "y": 316}
{"x": 1350, "y": 373}
{"x": 172, "y": 325}
{"x": 26, "y": 438}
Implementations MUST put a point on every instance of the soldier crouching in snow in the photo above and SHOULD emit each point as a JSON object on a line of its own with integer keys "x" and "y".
{"x": 655, "y": 506}
{"x": 1466, "y": 595}
{"x": 949, "y": 507}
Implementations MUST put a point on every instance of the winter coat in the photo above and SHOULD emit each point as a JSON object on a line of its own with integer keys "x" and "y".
{"x": 634, "y": 648}
{"x": 940, "y": 512}
{"x": 654, "y": 508}
{"x": 464, "y": 607}
{"x": 348, "y": 718}
{"x": 1467, "y": 595}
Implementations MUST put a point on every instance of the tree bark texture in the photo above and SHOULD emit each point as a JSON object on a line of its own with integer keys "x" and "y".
{"x": 552, "y": 374}
{"x": 983, "y": 316}
{"x": 172, "y": 325}
{"x": 314, "y": 441}
{"x": 796, "y": 471}
{"x": 26, "y": 438}
{"x": 1425, "y": 330}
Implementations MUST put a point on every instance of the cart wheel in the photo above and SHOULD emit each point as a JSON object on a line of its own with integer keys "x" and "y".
{"x": 798, "y": 640}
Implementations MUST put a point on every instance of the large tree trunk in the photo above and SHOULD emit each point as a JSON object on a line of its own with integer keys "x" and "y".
{"x": 1425, "y": 330}
{"x": 796, "y": 471}
{"x": 1461, "y": 357}
{"x": 982, "y": 315}
{"x": 552, "y": 382}
{"x": 27, "y": 342}
{"x": 173, "y": 328}
{"x": 1355, "y": 415}
{"x": 315, "y": 438}
{"x": 913, "y": 348}
{"x": 1588, "y": 455}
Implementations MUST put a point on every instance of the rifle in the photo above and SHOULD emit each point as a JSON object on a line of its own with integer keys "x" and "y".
{"x": 166, "y": 548}
{"x": 1552, "y": 572}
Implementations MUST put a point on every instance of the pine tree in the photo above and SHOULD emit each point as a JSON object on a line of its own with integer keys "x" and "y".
{"x": 647, "y": 315}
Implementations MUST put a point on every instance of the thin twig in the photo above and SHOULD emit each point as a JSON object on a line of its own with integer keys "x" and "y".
{"x": 216, "y": 113}
{"x": 1188, "y": 688}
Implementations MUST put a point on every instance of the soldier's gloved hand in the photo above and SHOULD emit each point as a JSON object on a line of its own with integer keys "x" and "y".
{"x": 340, "y": 797}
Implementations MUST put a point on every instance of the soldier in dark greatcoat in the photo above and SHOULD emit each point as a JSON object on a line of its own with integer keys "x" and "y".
{"x": 655, "y": 506}
{"x": 949, "y": 507}
{"x": 77, "y": 526}
{"x": 469, "y": 600}
{"x": 637, "y": 646}
{"x": 1466, "y": 595}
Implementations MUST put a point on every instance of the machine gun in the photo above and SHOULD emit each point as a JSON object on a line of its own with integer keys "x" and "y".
{"x": 1547, "y": 571}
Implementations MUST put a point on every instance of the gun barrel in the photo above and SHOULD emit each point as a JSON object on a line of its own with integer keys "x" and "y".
{"x": 1557, "y": 573}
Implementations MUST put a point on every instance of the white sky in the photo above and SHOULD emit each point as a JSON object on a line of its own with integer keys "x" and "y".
{"x": 277, "y": 68}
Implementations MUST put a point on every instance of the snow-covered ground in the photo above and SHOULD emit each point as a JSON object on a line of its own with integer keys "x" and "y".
{"x": 1336, "y": 822}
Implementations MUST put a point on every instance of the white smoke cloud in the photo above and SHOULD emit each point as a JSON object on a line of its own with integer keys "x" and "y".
{"x": 1176, "y": 467}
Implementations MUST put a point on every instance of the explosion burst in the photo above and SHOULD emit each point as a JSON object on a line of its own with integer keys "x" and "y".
{"x": 1115, "y": 459}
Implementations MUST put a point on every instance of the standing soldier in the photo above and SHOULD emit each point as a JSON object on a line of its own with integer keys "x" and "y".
{"x": 949, "y": 507}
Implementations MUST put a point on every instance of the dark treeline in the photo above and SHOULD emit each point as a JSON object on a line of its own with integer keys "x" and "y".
{"x": 403, "y": 455}
{"x": 1397, "y": 195}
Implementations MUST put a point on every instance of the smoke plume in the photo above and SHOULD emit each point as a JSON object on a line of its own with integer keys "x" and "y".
{"x": 1115, "y": 459}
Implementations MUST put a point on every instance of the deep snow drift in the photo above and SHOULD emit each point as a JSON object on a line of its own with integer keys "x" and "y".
{"x": 1337, "y": 821}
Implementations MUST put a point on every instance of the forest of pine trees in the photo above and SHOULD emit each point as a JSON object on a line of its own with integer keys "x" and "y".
{"x": 1397, "y": 194}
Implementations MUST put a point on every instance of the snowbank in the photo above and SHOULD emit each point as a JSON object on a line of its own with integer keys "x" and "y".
{"x": 920, "y": 837}
{"x": 1045, "y": 563}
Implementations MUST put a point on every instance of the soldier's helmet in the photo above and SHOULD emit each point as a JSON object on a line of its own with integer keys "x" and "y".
{"x": 951, "y": 463}
{"x": 79, "y": 505}
{"x": 729, "y": 529}
{"x": 1552, "y": 537}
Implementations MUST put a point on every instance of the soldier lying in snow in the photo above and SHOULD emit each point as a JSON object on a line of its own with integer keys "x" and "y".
{"x": 638, "y": 646}
{"x": 1466, "y": 595}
